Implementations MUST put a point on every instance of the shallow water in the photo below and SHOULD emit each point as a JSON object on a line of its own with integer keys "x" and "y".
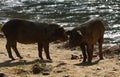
{"x": 68, "y": 13}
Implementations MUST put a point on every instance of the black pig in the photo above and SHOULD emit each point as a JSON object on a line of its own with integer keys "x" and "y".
{"x": 27, "y": 32}
{"x": 86, "y": 35}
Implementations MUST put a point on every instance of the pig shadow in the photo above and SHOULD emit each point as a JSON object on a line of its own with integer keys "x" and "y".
{"x": 11, "y": 63}
{"x": 88, "y": 64}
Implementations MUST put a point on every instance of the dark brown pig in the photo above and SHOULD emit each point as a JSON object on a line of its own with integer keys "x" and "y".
{"x": 86, "y": 35}
{"x": 27, "y": 32}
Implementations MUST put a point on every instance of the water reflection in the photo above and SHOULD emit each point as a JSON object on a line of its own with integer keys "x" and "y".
{"x": 68, "y": 13}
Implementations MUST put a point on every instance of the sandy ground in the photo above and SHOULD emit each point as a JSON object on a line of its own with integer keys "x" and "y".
{"x": 62, "y": 65}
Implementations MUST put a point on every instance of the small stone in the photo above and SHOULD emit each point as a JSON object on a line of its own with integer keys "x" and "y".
{"x": 81, "y": 56}
{"x": 74, "y": 57}
{"x": 46, "y": 73}
{"x": 98, "y": 68}
{"x": 59, "y": 71}
{"x": 36, "y": 69}
{"x": 2, "y": 75}
{"x": 67, "y": 76}
{"x": 119, "y": 58}
{"x": 115, "y": 69}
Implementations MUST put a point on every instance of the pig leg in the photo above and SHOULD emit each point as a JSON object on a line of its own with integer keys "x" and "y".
{"x": 14, "y": 47}
{"x": 90, "y": 53}
{"x": 100, "y": 41}
{"x": 46, "y": 48}
{"x": 40, "y": 50}
{"x": 84, "y": 53}
{"x": 8, "y": 47}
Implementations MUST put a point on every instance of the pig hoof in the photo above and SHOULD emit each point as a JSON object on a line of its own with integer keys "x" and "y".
{"x": 49, "y": 58}
{"x": 21, "y": 57}
{"x": 12, "y": 58}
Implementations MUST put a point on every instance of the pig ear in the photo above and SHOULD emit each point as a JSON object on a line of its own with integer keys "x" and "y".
{"x": 79, "y": 32}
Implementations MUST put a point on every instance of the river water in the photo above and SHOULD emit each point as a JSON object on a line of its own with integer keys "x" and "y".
{"x": 68, "y": 13}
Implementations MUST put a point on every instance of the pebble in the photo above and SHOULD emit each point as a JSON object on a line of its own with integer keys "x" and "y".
{"x": 46, "y": 73}
{"x": 2, "y": 75}
{"x": 98, "y": 68}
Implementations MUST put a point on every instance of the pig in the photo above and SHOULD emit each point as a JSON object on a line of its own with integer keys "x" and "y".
{"x": 28, "y": 32}
{"x": 86, "y": 35}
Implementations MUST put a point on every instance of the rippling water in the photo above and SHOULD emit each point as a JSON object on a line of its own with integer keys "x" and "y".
{"x": 67, "y": 13}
